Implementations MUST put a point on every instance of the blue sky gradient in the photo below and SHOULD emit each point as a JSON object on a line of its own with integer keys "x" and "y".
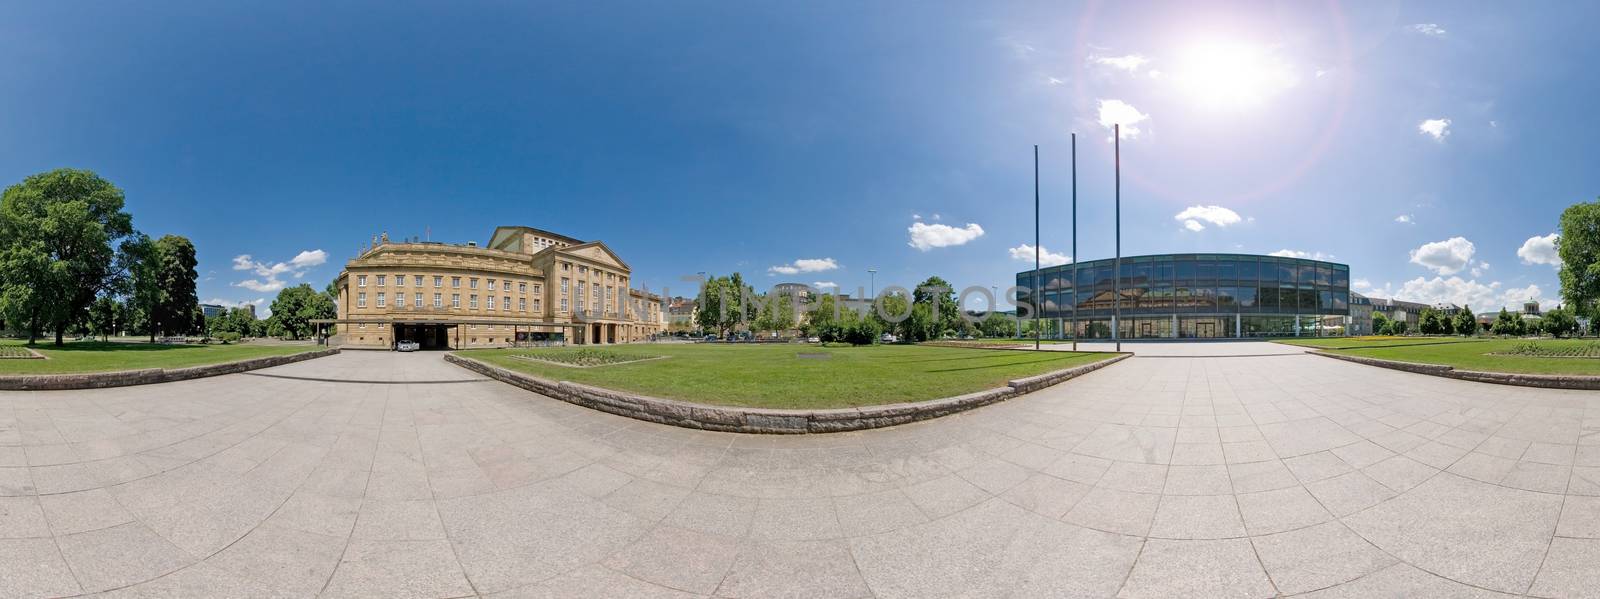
{"x": 701, "y": 136}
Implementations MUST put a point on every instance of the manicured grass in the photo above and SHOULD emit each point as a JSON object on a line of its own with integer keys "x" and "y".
{"x": 1489, "y": 355}
{"x": 1371, "y": 341}
{"x": 97, "y": 356}
{"x": 801, "y": 376}
{"x": 585, "y": 358}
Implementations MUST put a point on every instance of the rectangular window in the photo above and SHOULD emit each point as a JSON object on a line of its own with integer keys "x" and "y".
{"x": 416, "y": 281}
{"x": 505, "y": 303}
{"x": 522, "y": 287}
{"x": 536, "y": 289}
{"x": 522, "y": 304}
{"x": 536, "y": 304}
{"x": 399, "y": 280}
{"x": 455, "y": 300}
{"x": 438, "y": 281}
{"x": 563, "y": 285}
{"x": 361, "y": 300}
{"x": 472, "y": 301}
{"x": 490, "y": 301}
{"x": 380, "y": 295}
{"x": 418, "y": 300}
{"x": 399, "y": 300}
{"x": 472, "y": 283}
{"x": 381, "y": 278}
{"x": 563, "y": 304}
{"x": 455, "y": 282}
{"x": 361, "y": 281}
{"x": 438, "y": 302}
{"x": 491, "y": 285}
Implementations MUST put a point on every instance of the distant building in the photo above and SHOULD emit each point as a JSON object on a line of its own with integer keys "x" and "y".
{"x": 1408, "y": 312}
{"x": 680, "y": 314}
{"x": 251, "y": 308}
{"x": 1360, "y": 314}
{"x": 213, "y": 310}
{"x": 800, "y": 290}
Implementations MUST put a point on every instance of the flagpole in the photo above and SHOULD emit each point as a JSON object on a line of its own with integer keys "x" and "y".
{"x": 1036, "y": 303}
{"x": 1075, "y": 302}
{"x": 1116, "y": 277}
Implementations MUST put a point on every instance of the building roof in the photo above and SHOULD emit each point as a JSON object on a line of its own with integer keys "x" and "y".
{"x": 501, "y": 233}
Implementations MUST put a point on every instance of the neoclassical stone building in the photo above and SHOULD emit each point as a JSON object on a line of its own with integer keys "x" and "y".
{"x": 525, "y": 285}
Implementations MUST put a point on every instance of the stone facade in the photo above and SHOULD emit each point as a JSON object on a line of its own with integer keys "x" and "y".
{"x": 526, "y": 286}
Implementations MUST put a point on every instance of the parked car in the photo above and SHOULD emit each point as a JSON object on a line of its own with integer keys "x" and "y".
{"x": 407, "y": 345}
{"x": 889, "y": 338}
{"x": 813, "y": 340}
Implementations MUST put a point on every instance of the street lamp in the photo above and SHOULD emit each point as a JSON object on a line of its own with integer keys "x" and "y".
{"x": 872, "y": 274}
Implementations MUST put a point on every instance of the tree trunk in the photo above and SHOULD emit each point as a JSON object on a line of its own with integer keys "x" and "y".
{"x": 59, "y": 342}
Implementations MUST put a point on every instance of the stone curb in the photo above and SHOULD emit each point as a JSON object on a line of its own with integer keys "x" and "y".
{"x": 763, "y": 420}
{"x": 147, "y": 376}
{"x": 1547, "y": 381}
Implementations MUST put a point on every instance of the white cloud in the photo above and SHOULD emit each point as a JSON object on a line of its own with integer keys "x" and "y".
{"x": 804, "y": 265}
{"x": 1446, "y": 257}
{"x": 1405, "y": 218}
{"x": 1428, "y": 29}
{"x": 1215, "y": 215}
{"x": 308, "y": 259}
{"x": 268, "y": 274}
{"x": 925, "y": 236}
{"x": 1129, "y": 63}
{"x": 1115, "y": 112}
{"x": 824, "y": 285}
{"x": 1481, "y": 297}
{"x": 217, "y": 301}
{"x": 1286, "y": 253}
{"x": 1438, "y": 128}
{"x": 1025, "y": 253}
{"x": 1540, "y": 250}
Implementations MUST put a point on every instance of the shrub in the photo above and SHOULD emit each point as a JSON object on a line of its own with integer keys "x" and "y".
{"x": 226, "y": 337}
{"x": 862, "y": 332}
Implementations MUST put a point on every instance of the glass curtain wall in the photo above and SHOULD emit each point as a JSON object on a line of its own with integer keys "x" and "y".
{"x": 1198, "y": 296}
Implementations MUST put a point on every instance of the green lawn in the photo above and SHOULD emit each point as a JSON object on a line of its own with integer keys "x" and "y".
{"x": 799, "y": 376}
{"x": 1374, "y": 342}
{"x": 96, "y": 356}
{"x": 1482, "y": 355}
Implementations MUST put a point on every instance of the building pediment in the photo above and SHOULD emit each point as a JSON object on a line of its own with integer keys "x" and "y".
{"x": 595, "y": 252}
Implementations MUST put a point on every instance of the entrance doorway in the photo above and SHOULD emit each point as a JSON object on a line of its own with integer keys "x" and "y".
{"x": 428, "y": 336}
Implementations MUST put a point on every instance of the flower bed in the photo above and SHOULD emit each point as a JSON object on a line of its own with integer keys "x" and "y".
{"x": 586, "y": 358}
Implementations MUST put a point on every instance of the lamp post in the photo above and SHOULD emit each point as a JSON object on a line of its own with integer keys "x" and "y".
{"x": 1075, "y": 302}
{"x": 1037, "y": 299}
{"x": 872, "y": 277}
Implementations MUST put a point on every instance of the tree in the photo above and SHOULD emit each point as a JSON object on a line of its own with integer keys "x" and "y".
{"x": 1578, "y": 246}
{"x": 998, "y": 325}
{"x": 1398, "y": 327}
{"x": 142, "y": 264}
{"x": 1465, "y": 322}
{"x": 893, "y": 314}
{"x": 176, "y": 307}
{"x": 294, "y": 309}
{"x": 1559, "y": 322}
{"x": 1433, "y": 323}
{"x": 106, "y": 315}
{"x": 1380, "y": 324}
{"x": 940, "y": 297}
{"x": 726, "y": 303}
{"x": 57, "y": 229}
{"x": 1506, "y": 323}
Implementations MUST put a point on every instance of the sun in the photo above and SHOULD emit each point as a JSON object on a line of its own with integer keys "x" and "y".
{"x": 1231, "y": 75}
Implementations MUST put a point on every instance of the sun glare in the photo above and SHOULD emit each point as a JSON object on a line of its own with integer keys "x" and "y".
{"x": 1231, "y": 75}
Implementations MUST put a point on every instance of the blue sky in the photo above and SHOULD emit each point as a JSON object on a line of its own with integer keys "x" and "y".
{"x": 1430, "y": 146}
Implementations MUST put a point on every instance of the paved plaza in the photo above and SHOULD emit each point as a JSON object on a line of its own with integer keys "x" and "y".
{"x": 397, "y": 475}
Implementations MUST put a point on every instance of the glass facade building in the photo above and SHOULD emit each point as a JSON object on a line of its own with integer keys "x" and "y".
{"x": 1190, "y": 296}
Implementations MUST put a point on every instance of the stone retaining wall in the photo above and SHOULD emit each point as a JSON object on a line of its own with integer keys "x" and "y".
{"x": 1549, "y": 381}
{"x": 124, "y": 378}
{"x": 761, "y": 420}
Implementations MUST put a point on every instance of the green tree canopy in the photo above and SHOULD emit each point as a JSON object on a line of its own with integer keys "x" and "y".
{"x": 1579, "y": 249}
{"x": 294, "y": 309}
{"x": 57, "y": 234}
{"x": 1559, "y": 322}
{"x": 1465, "y": 322}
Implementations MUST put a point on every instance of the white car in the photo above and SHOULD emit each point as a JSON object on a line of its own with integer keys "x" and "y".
{"x": 407, "y": 345}
{"x": 813, "y": 340}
